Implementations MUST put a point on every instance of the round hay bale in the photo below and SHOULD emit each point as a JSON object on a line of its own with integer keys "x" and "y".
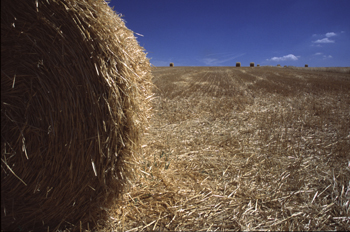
{"x": 306, "y": 65}
{"x": 258, "y": 65}
{"x": 238, "y": 64}
{"x": 278, "y": 65}
{"x": 75, "y": 88}
{"x": 171, "y": 64}
{"x": 251, "y": 64}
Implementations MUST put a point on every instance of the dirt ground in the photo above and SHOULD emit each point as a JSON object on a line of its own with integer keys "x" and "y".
{"x": 263, "y": 148}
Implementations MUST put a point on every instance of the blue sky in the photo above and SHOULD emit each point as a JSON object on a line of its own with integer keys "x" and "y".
{"x": 223, "y": 32}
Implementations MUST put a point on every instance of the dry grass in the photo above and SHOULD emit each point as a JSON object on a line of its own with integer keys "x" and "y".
{"x": 324, "y": 69}
{"x": 243, "y": 149}
{"x": 75, "y": 89}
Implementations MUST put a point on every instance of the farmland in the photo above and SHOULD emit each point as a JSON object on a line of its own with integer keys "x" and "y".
{"x": 263, "y": 148}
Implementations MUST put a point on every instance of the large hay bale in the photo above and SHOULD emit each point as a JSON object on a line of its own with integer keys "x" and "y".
{"x": 238, "y": 64}
{"x": 251, "y": 64}
{"x": 306, "y": 65}
{"x": 75, "y": 88}
{"x": 171, "y": 64}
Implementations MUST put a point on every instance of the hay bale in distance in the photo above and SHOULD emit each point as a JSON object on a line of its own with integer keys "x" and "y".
{"x": 75, "y": 88}
{"x": 278, "y": 65}
{"x": 251, "y": 64}
{"x": 238, "y": 64}
{"x": 306, "y": 65}
{"x": 171, "y": 64}
{"x": 258, "y": 65}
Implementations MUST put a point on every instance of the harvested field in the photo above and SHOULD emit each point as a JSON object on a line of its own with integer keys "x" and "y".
{"x": 243, "y": 149}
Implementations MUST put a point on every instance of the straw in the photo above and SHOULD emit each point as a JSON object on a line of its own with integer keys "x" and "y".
{"x": 75, "y": 101}
{"x": 263, "y": 149}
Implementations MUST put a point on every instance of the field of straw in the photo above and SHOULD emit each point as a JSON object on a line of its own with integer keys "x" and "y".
{"x": 243, "y": 149}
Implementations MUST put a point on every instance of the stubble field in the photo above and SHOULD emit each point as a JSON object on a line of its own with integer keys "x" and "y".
{"x": 261, "y": 148}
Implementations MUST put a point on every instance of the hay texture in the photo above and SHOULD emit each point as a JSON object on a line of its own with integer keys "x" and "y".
{"x": 75, "y": 87}
{"x": 238, "y": 64}
{"x": 171, "y": 64}
{"x": 251, "y": 64}
{"x": 279, "y": 162}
